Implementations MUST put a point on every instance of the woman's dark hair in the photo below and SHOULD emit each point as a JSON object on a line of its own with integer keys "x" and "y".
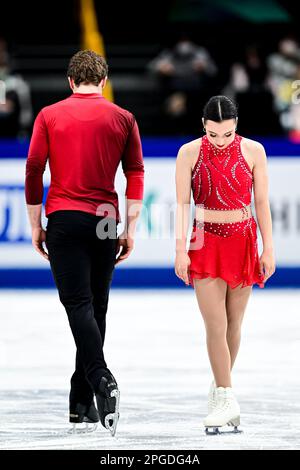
{"x": 218, "y": 108}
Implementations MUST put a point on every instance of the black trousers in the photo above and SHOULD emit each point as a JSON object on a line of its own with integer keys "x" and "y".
{"x": 82, "y": 265}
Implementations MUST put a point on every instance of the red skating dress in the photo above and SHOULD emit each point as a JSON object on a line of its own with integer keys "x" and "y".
{"x": 222, "y": 181}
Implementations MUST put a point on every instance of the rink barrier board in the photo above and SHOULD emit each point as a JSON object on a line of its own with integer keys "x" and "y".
{"x": 135, "y": 278}
{"x": 164, "y": 146}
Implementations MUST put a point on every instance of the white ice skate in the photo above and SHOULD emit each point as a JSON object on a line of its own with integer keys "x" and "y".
{"x": 211, "y": 397}
{"x": 226, "y": 412}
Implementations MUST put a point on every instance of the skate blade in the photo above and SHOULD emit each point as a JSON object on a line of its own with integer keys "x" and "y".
{"x": 215, "y": 430}
{"x": 88, "y": 428}
{"x": 113, "y": 416}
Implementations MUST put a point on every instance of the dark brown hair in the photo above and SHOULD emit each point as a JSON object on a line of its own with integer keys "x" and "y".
{"x": 87, "y": 67}
{"x": 219, "y": 108}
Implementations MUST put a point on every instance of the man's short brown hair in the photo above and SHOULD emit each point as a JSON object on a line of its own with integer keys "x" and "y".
{"x": 87, "y": 67}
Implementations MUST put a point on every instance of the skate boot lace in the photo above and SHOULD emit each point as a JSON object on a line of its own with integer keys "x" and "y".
{"x": 223, "y": 403}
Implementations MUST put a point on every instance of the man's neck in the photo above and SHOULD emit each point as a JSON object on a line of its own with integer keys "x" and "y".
{"x": 88, "y": 89}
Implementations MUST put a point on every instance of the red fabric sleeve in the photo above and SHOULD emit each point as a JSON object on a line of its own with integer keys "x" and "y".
{"x": 36, "y": 161}
{"x": 133, "y": 165}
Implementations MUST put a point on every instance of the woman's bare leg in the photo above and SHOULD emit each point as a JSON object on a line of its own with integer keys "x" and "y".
{"x": 236, "y": 302}
{"x": 211, "y": 297}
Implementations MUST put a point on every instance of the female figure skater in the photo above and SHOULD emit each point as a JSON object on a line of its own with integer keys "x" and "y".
{"x": 222, "y": 261}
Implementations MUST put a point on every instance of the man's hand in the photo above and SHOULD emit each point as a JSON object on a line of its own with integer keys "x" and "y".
{"x": 38, "y": 237}
{"x": 126, "y": 244}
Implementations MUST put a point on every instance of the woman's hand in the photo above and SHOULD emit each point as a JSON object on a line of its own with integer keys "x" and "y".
{"x": 267, "y": 264}
{"x": 182, "y": 263}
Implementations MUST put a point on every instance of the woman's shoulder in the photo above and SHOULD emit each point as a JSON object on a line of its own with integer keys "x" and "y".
{"x": 189, "y": 148}
{"x": 251, "y": 145}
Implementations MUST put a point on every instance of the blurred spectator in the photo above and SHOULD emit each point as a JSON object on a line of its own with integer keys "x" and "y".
{"x": 283, "y": 71}
{"x": 15, "y": 105}
{"x": 185, "y": 74}
{"x": 247, "y": 86}
{"x": 248, "y": 75}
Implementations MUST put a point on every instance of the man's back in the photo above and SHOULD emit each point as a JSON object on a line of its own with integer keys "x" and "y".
{"x": 85, "y": 137}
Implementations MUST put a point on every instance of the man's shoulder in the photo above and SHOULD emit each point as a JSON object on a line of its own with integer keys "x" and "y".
{"x": 54, "y": 106}
{"x": 120, "y": 113}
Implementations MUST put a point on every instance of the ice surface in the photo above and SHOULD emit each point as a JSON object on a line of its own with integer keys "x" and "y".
{"x": 155, "y": 346}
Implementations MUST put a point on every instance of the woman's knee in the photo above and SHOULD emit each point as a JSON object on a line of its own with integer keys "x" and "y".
{"x": 234, "y": 325}
{"x": 216, "y": 330}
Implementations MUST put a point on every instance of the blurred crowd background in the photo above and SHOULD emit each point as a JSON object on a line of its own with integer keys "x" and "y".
{"x": 165, "y": 60}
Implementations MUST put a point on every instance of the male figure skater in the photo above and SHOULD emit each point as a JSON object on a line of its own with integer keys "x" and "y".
{"x": 85, "y": 137}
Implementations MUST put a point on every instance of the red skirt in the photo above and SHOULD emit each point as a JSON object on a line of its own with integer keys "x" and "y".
{"x": 225, "y": 250}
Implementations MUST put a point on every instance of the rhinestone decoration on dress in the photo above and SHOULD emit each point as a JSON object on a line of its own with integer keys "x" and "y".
{"x": 222, "y": 182}
{"x": 221, "y": 178}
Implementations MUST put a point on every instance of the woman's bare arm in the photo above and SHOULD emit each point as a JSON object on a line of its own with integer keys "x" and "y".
{"x": 262, "y": 206}
{"x": 184, "y": 165}
{"x": 183, "y": 196}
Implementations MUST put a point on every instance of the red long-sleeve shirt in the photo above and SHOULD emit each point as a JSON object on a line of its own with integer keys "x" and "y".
{"x": 85, "y": 138}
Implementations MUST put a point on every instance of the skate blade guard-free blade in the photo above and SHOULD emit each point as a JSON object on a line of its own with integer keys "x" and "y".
{"x": 111, "y": 419}
{"x": 213, "y": 430}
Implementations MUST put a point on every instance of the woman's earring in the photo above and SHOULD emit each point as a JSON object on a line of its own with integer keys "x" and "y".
{"x": 204, "y": 130}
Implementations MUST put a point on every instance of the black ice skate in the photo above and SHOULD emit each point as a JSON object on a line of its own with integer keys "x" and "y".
{"x": 108, "y": 398}
{"x": 87, "y": 414}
